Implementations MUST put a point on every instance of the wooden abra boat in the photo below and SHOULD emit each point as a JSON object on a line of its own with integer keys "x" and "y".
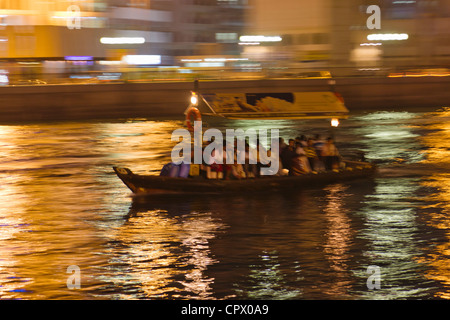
{"x": 291, "y": 105}
{"x": 151, "y": 184}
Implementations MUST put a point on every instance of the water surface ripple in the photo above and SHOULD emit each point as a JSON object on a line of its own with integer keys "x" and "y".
{"x": 63, "y": 206}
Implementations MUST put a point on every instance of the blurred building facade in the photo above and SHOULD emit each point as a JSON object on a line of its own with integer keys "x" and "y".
{"x": 330, "y": 34}
{"x": 60, "y": 39}
{"x": 334, "y": 33}
{"x": 51, "y": 28}
{"x": 58, "y": 28}
{"x": 180, "y": 27}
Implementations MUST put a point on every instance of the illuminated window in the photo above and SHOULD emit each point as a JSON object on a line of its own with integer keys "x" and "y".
{"x": 226, "y": 37}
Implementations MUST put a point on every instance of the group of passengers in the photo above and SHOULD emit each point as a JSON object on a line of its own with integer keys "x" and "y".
{"x": 304, "y": 155}
{"x": 299, "y": 156}
{"x": 240, "y": 167}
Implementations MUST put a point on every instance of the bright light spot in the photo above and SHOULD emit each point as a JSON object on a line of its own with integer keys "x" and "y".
{"x": 334, "y": 122}
{"x": 204, "y": 64}
{"x": 109, "y": 63}
{"x": 194, "y": 99}
{"x": 191, "y": 60}
{"x": 215, "y": 59}
{"x": 142, "y": 59}
{"x": 78, "y": 58}
{"x": 387, "y": 36}
{"x": 4, "y": 79}
{"x": 260, "y": 38}
{"x": 249, "y": 43}
{"x": 122, "y": 40}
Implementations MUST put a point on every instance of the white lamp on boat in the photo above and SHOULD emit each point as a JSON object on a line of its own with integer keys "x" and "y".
{"x": 334, "y": 122}
{"x": 194, "y": 99}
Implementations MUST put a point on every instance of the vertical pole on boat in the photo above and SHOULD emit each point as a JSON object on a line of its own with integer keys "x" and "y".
{"x": 331, "y": 133}
{"x": 196, "y": 85}
{"x": 334, "y": 124}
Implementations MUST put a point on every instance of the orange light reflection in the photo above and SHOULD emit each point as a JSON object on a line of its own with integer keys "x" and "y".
{"x": 438, "y": 211}
{"x": 338, "y": 239}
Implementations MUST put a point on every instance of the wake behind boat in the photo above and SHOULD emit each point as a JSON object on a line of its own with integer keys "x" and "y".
{"x": 157, "y": 185}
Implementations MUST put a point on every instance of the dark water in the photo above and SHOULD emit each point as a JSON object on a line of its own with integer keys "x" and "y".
{"x": 61, "y": 206}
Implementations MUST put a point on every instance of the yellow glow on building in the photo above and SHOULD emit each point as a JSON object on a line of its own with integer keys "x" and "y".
{"x": 48, "y": 5}
{"x": 50, "y": 28}
{"x": 51, "y": 13}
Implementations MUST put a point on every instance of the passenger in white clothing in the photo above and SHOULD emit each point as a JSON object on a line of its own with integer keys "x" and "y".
{"x": 330, "y": 155}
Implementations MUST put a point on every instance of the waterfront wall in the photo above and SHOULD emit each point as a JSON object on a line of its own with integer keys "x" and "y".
{"x": 142, "y": 100}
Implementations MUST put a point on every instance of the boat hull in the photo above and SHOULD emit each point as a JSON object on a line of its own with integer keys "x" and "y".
{"x": 158, "y": 185}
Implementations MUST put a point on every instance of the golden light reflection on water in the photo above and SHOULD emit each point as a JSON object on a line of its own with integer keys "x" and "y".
{"x": 10, "y": 225}
{"x": 51, "y": 236}
{"x": 437, "y": 208}
{"x": 437, "y": 140}
{"x": 143, "y": 146}
{"x": 172, "y": 253}
{"x": 338, "y": 239}
{"x": 52, "y": 183}
{"x": 145, "y": 241}
{"x": 63, "y": 206}
{"x": 198, "y": 231}
{"x": 11, "y": 222}
{"x": 438, "y": 216}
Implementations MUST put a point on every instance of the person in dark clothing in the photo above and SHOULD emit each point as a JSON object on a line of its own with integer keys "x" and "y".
{"x": 287, "y": 154}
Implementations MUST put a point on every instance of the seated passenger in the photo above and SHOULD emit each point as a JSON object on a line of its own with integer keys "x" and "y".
{"x": 214, "y": 170}
{"x": 227, "y": 157}
{"x": 301, "y": 140}
{"x": 299, "y": 166}
{"x": 287, "y": 154}
{"x": 262, "y": 159}
{"x": 174, "y": 170}
{"x": 318, "y": 145}
{"x": 311, "y": 154}
{"x": 299, "y": 149}
{"x": 250, "y": 168}
{"x": 281, "y": 171}
{"x": 237, "y": 172}
{"x": 330, "y": 155}
{"x": 281, "y": 145}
